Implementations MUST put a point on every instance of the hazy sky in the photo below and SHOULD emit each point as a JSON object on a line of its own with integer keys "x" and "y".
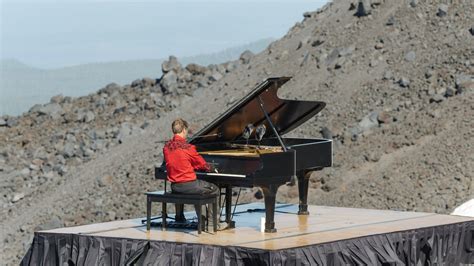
{"x": 69, "y": 32}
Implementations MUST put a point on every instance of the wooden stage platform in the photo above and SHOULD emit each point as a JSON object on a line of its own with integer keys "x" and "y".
{"x": 328, "y": 236}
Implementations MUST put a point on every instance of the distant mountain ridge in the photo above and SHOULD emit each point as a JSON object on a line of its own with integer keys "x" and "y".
{"x": 22, "y": 86}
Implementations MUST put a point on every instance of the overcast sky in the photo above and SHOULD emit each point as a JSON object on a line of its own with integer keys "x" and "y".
{"x": 57, "y": 33}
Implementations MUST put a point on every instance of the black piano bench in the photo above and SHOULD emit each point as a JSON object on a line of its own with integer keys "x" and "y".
{"x": 169, "y": 197}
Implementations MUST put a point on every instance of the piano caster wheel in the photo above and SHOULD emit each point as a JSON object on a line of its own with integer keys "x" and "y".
{"x": 273, "y": 230}
{"x": 303, "y": 212}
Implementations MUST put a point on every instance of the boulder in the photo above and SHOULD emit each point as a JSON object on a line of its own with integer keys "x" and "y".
{"x": 196, "y": 69}
{"x": 53, "y": 110}
{"x": 12, "y": 121}
{"x": 136, "y": 83}
{"x": 3, "y": 122}
{"x": 246, "y": 56}
{"x": 169, "y": 82}
{"x": 148, "y": 82}
{"x": 57, "y": 99}
{"x": 170, "y": 64}
{"x": 369, "y": 121}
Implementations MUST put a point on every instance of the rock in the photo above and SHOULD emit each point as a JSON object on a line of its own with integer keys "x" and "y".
{"x": 379, "y": 46}
{"x": 413, "y": 3}
{"x": 373, "y": 156}
{"x": 89, "y": 116}
{"x": 68, "y": 150}
{"x": 346, "y": 51}
{"x": 410, "y": 56}
{"x": 231, "y": 66}
{"x": 388, "y": 75}
{"x": 171, "y": 64}
{"x": 148, "y": 82}
{"x": 184, "y": 75}
{"x": 391, "y": 21}
{"x": 60, "y": 169}
{"x": 383, "y": 117}
{"x": 25, "y": 172}
{"x": 53, "y": 110}
{"x": 307, "y": 14}
{"x": 449, "y": 92}
{"x": 196, "y": 69}
{"x": 3, "y": 122}
{"x": 124, "y": 131}
{"x": 12, "y": 122}
{"x": 316, "y": 43}
{"x": 437, "y": 98}
{"x": 373, "y": 62}
{"x": 442, "y": 10}
{"x": 111, "y": 215}
{"x": 57, "y": 99}
{"x": 17, "y": 197}
{"x": 404, "y": 82}
{"x": 471, "y": 30}
{"x": 326, "y": 133}
{"x": 246, "y": 56}
{"x": 136, "y": 83}
{"x": 169, "y": 82}
{"x": 215, "y": 76}
{"x": 54, "y": 222}
{"x": 369, "y": 121}
{"x": 464, "y": 83}
{"x": 104, "y": 181}
{"x": 363, "y": 8}
{"x": 258, "y": 194}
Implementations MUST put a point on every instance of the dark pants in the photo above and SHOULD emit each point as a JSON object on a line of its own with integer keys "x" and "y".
{"x": 197, "y": 186}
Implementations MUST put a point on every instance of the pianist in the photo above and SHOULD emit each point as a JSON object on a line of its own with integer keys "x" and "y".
{"x": 182, "y": 160}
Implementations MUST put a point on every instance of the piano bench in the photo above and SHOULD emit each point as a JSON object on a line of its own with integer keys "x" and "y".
{"x": 169, "y": 197}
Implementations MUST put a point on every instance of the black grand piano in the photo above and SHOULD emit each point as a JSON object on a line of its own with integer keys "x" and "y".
{"x": 245, "y": 146}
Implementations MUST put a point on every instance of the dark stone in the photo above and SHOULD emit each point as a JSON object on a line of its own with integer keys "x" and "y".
{"x": 258, "y": 194}
{"x": 363, "y": 8}
{"x": 442, "y": 10}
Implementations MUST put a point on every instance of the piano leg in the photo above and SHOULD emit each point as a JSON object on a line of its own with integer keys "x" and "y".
{"x": 269, "y": 194}
{"x": 303, "y": 184}
{"x": 228, "y": 207}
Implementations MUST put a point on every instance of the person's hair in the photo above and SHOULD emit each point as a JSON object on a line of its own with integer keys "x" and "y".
{"x": 178, "y": 125}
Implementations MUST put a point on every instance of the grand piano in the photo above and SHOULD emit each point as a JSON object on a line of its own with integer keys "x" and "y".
{"x": 246, "y": 147}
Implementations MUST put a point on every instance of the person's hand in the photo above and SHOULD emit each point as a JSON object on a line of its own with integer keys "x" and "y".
{"x": 213, "y": 169}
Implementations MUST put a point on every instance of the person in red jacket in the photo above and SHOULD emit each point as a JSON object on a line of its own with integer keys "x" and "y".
{"x": 182, "y": 160}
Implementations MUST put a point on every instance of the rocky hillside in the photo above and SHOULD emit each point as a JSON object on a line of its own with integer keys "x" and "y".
{"x": 397, "y": 77}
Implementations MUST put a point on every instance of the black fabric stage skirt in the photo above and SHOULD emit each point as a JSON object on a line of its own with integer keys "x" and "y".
{"x": 451, "y": 244}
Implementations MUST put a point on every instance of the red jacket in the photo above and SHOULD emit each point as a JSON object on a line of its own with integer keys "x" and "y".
{"x": 182, "y": 159}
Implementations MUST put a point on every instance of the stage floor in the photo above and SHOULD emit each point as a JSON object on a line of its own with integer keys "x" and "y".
{"x": 323, "y": 225}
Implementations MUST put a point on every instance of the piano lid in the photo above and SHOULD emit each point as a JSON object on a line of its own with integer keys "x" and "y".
{"x": 285, "y": 114}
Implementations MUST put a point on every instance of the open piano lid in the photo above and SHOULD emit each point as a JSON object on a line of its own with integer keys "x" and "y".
{"x": 285, "y": 114}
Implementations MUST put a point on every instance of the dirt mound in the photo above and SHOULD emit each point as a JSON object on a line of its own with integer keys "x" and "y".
{"x": 397, "y": 77}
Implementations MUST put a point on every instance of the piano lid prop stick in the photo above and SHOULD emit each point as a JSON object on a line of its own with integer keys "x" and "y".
{"x": 271, "y": 124}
